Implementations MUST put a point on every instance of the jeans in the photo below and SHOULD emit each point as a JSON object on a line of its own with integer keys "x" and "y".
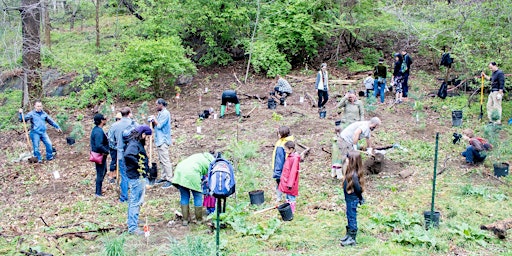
{"x": 185, "y": 196}
{"x": 124, "y": 181}
{"x": 137, "y": 191}
{"x": 113, "y": 162}
{"x": 101, "y": 169}
{"x": 472, "y": 155}
{"x": 291, "y": 198}
{"x": 382, "y": 90}
{"x": 36, "y": 138}
{"x": 352, "y": 214}
{"x": 405, "y": 85}
{"x": 323, "y": 97}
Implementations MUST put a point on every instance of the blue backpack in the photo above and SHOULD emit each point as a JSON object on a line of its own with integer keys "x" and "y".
{"x": 221, "y": 178}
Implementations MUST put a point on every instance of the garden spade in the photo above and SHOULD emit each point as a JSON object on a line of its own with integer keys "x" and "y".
{"x": 481, "y": 99}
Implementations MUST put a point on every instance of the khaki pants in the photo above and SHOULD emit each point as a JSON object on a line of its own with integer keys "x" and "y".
{"x": 165, "y": 162}
{"x": 494, "y": 103}
{"x": 345, "y": 147}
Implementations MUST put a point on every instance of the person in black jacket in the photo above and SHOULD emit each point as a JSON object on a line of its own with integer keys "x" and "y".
{"x": 353, "y": 187}
{"x": 495, "y": 97}
{"x": 398, "y": 78}
{"x": 99, "y": 144}
{"x": 137, "y": 169}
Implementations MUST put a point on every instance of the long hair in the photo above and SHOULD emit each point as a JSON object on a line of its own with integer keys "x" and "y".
{"x": 135, "y": 135}
{"x": 355, "y": 165}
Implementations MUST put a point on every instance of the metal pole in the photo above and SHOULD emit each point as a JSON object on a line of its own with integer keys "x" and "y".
{"x": 219, "y": 205}
{"x": 434, "y": 181}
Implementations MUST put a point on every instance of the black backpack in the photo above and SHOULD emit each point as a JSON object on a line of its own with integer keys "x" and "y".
{"x": 443, "y": 91}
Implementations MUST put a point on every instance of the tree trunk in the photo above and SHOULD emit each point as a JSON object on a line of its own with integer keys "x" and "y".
{"x": 132, "y": 10}
{"x": 47, "y": 25}
{"x": 97, "y": 25}
{"x": 74, "y": 11}
{"x": 31, "y": 56}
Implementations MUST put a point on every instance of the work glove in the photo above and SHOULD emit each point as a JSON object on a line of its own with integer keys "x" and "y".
{"x": 151, "y": 119}
{"x": 499, "y": 96}
{"x": 354, "y": 146}
{"x": 369, "y": 151}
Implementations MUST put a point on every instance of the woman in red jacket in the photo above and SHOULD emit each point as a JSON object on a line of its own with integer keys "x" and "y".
{"x": 290, "y": 177}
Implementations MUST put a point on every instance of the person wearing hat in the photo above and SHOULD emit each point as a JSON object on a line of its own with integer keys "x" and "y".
{"x": 379, "y": 84}
{"x": 99, "y": 144}
{"x": 322, "y": 86}
{"x": 229, "y": 96}
{"x": 113, "y": 149}
{"x": 137, "y": 169}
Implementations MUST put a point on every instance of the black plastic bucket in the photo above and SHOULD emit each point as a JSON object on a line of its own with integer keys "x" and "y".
{"x": 426, "y": 215}
{"x": 271, "y": 103}
{"x": 257, "y": 197}
{"x": 500, "y": 169}
{"x": 286, "y": 211}
{"x": 337, "y": 123}
{"x": 457, "y": 118}
{"x": 322, "y": 114}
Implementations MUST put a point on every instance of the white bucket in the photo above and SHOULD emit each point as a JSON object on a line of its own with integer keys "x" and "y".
{"x": 214, "y": 116}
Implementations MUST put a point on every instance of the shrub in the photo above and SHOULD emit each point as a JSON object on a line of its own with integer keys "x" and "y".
{"x": 267, "y": 58}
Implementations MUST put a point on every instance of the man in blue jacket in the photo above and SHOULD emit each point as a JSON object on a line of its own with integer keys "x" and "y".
{"x": 38, "y": 119}
{"x": 162, "y": 125}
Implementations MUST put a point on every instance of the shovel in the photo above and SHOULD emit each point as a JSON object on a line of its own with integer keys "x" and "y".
{"x": 153, "y": 169}
{"x": 32, "y": 159}
{"x": 481, "y": 99}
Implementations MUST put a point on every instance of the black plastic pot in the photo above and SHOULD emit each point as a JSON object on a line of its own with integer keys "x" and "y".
{"x": 257, "y": 197}
{"x": 337, "y": 123}
{"x": 322, "y": 114}
{"x": 500, "y": 169}
{"x": 429, "y": 221}
{"x": 70, "y": 140}
{"x": 457, "y": 118}
{"x": 286, "y": 211}
{"x": 272, "y": 104}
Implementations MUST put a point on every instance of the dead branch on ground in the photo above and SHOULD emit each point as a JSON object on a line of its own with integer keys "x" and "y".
{"x": 444, "y": 166}
{"x": 499, "y": 228}
{"x": 310, "y": 97}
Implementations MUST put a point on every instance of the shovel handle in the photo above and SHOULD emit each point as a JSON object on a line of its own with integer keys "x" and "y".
{"x": 26, "y": 132}
{"x": 266, "y": 209}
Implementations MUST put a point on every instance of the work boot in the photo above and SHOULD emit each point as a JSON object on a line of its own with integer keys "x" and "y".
{"x": 351, "y": 240}
{"x": 199, "y": 214}
{"x": 185, "y": 213}
{"x": 347, "y": 235}
{"x": 237, "y": 109}
{"x": 222, "y": 110}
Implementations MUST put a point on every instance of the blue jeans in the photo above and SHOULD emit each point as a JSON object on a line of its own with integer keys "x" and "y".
{"x": 381, "y": 91}
{"x": 185, "y": 196}
{"x": 472, "y": 155}
{"x": 101, "y": 169}
{"x": 291, "y": 198}
{"x": 124, "y": 181}
{"x": 36, "y": 138}
{"x": 137, "y": 191}
{"x": 352, "y": 214}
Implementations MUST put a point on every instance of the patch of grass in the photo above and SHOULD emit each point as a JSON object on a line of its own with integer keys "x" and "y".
{"x": 192, "y": 245}
{"x": 115, "y": 246}
{"x": 9, "y": 104}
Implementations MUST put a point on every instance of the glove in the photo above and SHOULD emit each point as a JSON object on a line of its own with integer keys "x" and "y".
{"x": 151, "y": 119}
{"x": 369, "y": 151}
{"x": 355, "y": 146}
{"x": 499, "y": 96}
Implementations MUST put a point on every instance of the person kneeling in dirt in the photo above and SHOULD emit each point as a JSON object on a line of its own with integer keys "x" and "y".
{"x": 350, "y": 136}
{"x": 283, "y": 89}
{"x": 187, "y": 178}
{"x": 354, "y": 108}
{"x": 229, "y": 96}
{"x": 474, "y": 153}
{"x": 137, "y": 169}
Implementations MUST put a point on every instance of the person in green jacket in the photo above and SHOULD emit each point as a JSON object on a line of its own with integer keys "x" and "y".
{"x": 187, "y": 178}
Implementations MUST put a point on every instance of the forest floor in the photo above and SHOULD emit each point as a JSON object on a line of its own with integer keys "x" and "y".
{"x": 59, "y": 215}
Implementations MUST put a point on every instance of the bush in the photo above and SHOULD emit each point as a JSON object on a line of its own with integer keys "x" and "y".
{"x": 267, "y": 58}
{"x": 371, "y": 56}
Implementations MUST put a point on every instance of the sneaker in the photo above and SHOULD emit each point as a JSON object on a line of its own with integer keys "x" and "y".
{"x": 49, "y": 159}
{"x": 168, "y": 184}
{"x": 98, "y": 196}
{"x": 137, "y": 232}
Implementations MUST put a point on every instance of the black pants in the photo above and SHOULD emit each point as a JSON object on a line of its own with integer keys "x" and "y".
{"x": 101, "y": 169}
{"x": 113, "y": 162}
{"x": 323, "y": 97}
{"x": 229, "y": 96}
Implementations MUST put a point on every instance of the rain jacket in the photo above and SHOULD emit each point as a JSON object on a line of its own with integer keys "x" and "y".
{"x": 290, "y": 176}
{"x": 188, "y": 173}
{"x": 38, "y": 121}
{"x": 279, "y": 156}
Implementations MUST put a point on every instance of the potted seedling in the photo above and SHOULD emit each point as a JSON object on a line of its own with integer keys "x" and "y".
{"x": 492, "y": 133}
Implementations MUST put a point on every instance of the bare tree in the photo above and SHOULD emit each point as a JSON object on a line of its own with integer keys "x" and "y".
{"x": 31, "y": 49}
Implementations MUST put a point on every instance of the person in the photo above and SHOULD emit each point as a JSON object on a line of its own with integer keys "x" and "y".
{"x": 350, "y": 136}
{"x": 368, "y": 84}
{"x": 38, "y": 119}
{"x": 279, "y": 157}
{"x": 354, "y": 108}
{"x": 137, "y": 169}
{"x": 99, "y": 144}
{"x": 336, "y": 156}
{"x": 113, "y": 149}
{"x": 125, "y": 122}
{"x": 497, "y": 79}
{"x": 162, "y": 125}
{"x": 322, "y": 86}
{"x": 187, "y": 178}
{"x": 398, "y": 78}
{"x": 379, "y": 84}
{"x": 407, "y": 60}
{"x": 353, "y": 188}
{"x": 229, "y": 96}
{"x": 290, "y": 176}
{"x": 283, "y": 89}
{"x": 474, "y": 152}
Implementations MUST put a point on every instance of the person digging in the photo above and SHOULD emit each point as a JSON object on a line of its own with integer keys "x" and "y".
{"x": 229, "y": 96}
{"x": 282, "y": 88}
